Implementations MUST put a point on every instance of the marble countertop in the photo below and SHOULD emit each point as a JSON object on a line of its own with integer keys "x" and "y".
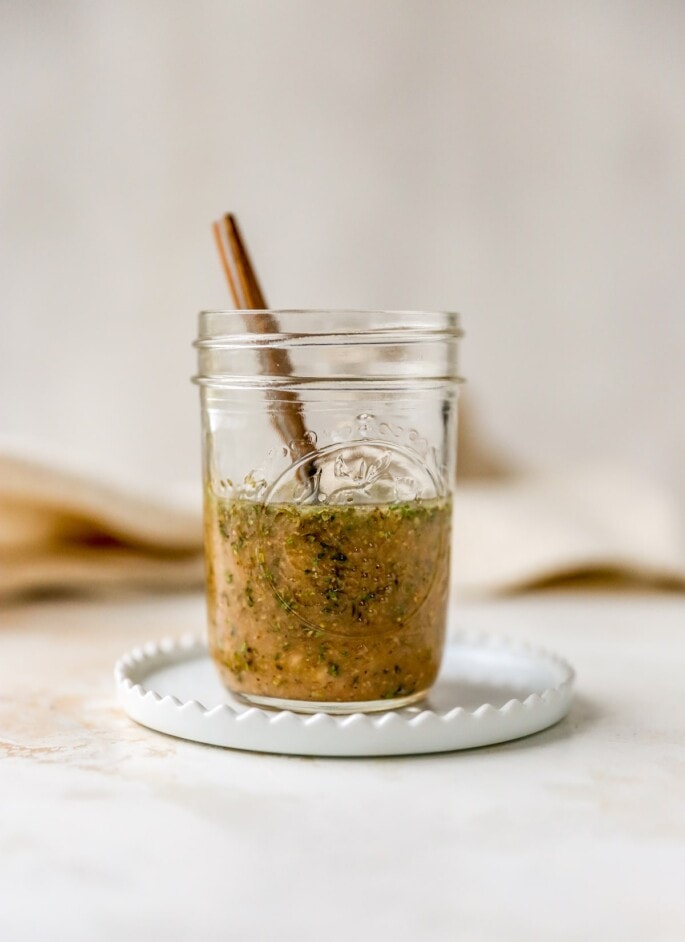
{"x": 108, "y": 830}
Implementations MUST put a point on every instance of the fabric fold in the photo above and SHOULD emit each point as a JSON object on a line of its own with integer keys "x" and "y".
{"x": 63, "y": 527}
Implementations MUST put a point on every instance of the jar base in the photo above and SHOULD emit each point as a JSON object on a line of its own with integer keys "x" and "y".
{"x": 322, "y": 706}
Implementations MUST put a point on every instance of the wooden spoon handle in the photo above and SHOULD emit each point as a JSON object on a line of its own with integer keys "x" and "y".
{"x": 247, "y": 294}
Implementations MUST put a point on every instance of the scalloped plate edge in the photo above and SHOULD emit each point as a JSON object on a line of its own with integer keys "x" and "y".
{"x": 400, "y": 732}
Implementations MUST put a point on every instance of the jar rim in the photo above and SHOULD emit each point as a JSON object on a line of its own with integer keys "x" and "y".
{"x": 317, "y": 346}
{"x": 331, "y": 310}
{"x": 234, "y": 325}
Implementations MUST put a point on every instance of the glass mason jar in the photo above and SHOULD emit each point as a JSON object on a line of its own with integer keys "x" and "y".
{"x": 329, "y": 443}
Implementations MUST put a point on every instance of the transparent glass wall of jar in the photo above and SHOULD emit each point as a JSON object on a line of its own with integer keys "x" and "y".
{"x": 329, "y": 449}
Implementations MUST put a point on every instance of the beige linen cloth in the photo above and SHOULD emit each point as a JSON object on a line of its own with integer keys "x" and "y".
{"x": 64, "y": 528}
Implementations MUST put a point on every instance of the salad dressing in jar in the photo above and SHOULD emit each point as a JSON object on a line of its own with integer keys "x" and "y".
{"x": 328, "y": 554}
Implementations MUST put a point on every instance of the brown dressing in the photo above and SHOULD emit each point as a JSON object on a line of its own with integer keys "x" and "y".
{"x": 334, "y": 603}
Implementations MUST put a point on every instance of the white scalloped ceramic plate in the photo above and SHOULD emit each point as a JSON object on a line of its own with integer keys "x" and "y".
{"x": 489, "y": 691}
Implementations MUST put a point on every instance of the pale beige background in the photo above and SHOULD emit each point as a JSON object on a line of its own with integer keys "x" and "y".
{"x": 523, "y": 162}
